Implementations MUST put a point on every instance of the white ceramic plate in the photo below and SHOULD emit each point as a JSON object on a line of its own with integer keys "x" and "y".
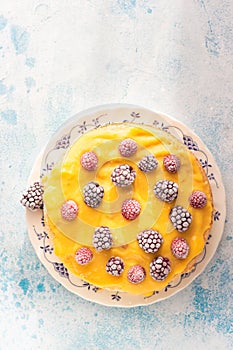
{"x": 58, "y": 145}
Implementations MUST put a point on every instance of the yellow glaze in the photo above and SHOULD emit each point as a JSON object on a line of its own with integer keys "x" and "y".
{"x": 67, "y": 179}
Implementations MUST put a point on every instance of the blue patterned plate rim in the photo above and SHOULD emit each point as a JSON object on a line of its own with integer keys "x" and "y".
{"x": 73, "y": 128}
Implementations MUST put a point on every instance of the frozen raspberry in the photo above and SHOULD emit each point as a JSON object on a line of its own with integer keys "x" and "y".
{"x": 166, "y": 191}
{"x": 198, "y": 199}
{"x": 130, "y": 209}
{"x": 136, "y": 274}
{"x": 102, "y": 239}
{"x": 93, "y": 194}
{"x": 69, "y": 210}
{"x": 180, "y": 248}
{"x": 160, "y": 268}
{"x": 150, "y": 240}
{"x": 148, "y": 163}
{"x": 33, "y": 197}
{"x": 89, "y": 161}
{"x": 123, "y": 175}
{"x": 83, "y": 256}
{"x": 171, "y": 163}
{"x": 180, "y": 218}
{"x": 115, "y": 266}
{"x": 128, "y": 148}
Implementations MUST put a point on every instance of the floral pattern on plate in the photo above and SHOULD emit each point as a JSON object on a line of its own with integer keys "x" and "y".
{"x": 56, "y": 148}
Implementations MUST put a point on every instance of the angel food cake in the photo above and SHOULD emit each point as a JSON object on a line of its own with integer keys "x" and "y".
{"x": 128, "y": 208}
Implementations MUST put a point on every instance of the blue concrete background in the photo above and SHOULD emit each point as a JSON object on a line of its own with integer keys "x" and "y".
{"x": 60, "y": 57}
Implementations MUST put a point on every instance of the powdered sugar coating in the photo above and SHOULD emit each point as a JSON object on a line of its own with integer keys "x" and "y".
{"x": 166, "y": 191}
{"x": 127, "y": 148}
{"x": 33, "y": 197}
{"x": 69, "y": 210}
{"x": 160, "y": 268}
{"x": 180, "y": 218}
{"x": 115, "y": 266}
{"x": 136, "y": 274}
{"x": 150, "y": 240}
{"x": 102, "y": 238}
{"x": 180, "y": 248}
{"x": 130, "y": 209}
{"x": 83, "y": 255}
{"x": 93, "y": 194}
{"x": 198, "y": 199}
{"x": 89, "y": 161}
{"x": 123, "y": 175}
{"x": 148, "y": 163}
{"x": 171, "y": 163}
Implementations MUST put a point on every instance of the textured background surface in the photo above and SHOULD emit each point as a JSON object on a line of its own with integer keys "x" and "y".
{"x": 59, "y": 57}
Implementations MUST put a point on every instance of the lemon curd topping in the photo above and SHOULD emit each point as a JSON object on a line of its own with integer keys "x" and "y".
{"x": 66, "y": 183}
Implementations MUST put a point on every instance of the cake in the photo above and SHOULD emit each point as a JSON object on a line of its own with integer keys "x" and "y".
{"x": 128, "y": 208}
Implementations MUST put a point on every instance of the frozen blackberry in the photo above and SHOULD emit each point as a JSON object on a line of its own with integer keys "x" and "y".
{"x": 160, "y": 268}
{"x": 136, "y": 274}
{"x": 123, "y": 175}
{"x": 150, "y": 240}
{"x": 102, "y": 238}
{"x": 115, "y": 266}
{"x": 198, "y": 199}
{"x": 148, "y": 163}
{"x": 180, "y": 248}
{"x": 89, "y": 161}
{"x": 33, "y": 197}
{"x": 93, "y": 194}
{"x": 180, "y": 218}
{"x": 69, "y": 210}
{"x": 130, "y": 209}
{"x": 171, "y": 163}
{"x": 166, "y": 191}
{"x": 128, "y": 147}
{"x": 83, "y": 255}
